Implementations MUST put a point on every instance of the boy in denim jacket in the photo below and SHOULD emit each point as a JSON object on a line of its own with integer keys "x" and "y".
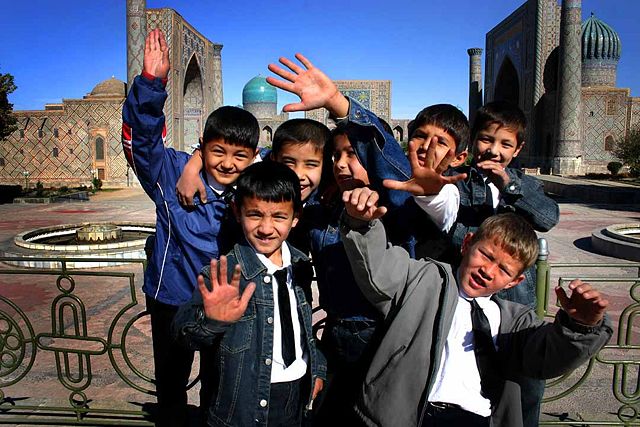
{"x": 253, "y": 309}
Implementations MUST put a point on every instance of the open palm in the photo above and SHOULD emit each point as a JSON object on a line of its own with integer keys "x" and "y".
{"x": 156, "y": 55}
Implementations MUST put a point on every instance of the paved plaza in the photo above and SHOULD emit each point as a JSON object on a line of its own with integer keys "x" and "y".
{"x": 105, "y": 297}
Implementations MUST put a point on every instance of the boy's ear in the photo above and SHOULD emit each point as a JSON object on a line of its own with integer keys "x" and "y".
{"x": 459, "y": 159}
{"x": 515, "y": 154}
{"x": 466, "y": 243}
{"x": 515, "y": 281}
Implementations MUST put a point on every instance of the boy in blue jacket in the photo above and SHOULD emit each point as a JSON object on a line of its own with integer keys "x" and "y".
{"x": 185, "y": 240}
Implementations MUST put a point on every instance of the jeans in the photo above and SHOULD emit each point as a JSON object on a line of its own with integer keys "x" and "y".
{"x": 285, "y": 406}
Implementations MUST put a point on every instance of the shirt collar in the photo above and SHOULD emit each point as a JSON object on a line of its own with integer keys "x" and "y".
{"x": 271, "y": 267}
{"x": 215, "y": 185}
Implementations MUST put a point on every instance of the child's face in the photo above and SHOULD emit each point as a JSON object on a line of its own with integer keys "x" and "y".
{"x": 486, "y": 268}
{"x": 347, "y": 169}
{"x": 422, "y": 138}
{"x": 266, "y": 225}
{"x": 306, "y": 161}
{"x": 497, "y": 144}
{"x": 225, "y": 161}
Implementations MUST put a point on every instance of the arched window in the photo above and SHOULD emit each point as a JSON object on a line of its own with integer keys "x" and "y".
{"x": 99, "y": 148}
{"x": 609, "y": 143}
{"x": 54, "y": 152}
{"x": 611, "y": 107}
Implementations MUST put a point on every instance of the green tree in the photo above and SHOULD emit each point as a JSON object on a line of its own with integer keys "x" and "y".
{"x": 7, "y": 119}
{"x": 628, "y": 150}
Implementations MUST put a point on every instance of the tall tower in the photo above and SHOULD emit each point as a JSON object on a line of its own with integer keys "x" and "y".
{"x": 475, "y": 81}
{"x": 568, "y": 141}
{"x": 218, "y": 100}
{"x": 136, "y": 34}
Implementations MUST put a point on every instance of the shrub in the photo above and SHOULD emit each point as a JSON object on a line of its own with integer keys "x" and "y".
{"x": 39, "y": 189}
{"x": 614, "y": 167}
{"x": 628, "y": 150}
{"x": 97, "y": 183}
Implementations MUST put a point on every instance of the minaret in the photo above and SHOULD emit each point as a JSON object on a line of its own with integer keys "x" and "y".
{"x": 568, "y": 141}
{"x": 475, "y": 81}
{"x": 218, "y": 101}
{"x": 136, "y": 34}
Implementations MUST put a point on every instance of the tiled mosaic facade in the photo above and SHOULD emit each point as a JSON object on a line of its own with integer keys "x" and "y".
{"x": 525, "y": 46}
{"x": 67, "y": 144}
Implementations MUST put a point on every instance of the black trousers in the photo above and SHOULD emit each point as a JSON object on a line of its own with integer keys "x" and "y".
{"x": 452, "y": 416}
{"x": 172, "y": 365}
{"x": 286, "y": 401}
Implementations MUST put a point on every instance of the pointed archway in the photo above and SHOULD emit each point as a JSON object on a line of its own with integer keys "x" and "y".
{"x": 193, "y": 101}
{"x": 507, "y": 84}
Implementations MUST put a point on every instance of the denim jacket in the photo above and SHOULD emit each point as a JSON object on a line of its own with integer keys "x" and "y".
{"x": 243, "y": 349}
{"x": 524, "y": 196}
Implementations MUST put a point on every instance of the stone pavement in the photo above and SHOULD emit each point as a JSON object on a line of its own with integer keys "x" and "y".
{"x": 568, "y": 242}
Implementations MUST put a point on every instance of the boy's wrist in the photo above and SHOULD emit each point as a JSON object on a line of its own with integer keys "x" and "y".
{"x": 338, "y": 106}
{"x": 151, "y": 77}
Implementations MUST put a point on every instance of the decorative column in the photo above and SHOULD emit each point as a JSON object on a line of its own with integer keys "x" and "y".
{"x": 475, "y": 81}
{"x": 217, "y": 76}
{"x": 568, "y": 141}
{"x": 136, "y": 35}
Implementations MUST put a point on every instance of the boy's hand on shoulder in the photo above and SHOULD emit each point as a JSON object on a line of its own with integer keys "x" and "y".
{"x": 190, "y": 182}
{"x": 224, "y": 302}
{"x": 495, "y": 173}
{"x": 362, "y": 203}
{"x": 585, "y": 305}
{"x": 313, "y": 87}
{"x": 156, "y": 55}
{"x": 426, "y": 179}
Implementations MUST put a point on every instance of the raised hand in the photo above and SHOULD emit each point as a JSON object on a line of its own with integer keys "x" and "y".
{"x": 426, "y": 179}
{"x": 312, "y": 86}
{"x": 362, "y": 203}
{"x": 494, "y": 173}
{"x": 156, "y": 55}
{"x": 585, "y": 305}
{"x": 224, "y": 302}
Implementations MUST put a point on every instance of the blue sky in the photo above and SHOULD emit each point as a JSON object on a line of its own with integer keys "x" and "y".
{"x": 62, "y": 49}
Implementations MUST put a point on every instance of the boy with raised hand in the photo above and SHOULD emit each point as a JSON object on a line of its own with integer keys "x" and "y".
{"x": 453, "y": 351}
{"x": 184, "y": 239}
{"x": 256, "y": 316}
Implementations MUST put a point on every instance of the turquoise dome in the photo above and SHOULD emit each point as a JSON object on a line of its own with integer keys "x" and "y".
{"x": 599, "y": 41}
{"x": 257, "y": 90}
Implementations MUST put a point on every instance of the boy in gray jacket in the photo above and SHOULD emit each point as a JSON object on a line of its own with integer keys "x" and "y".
{"x": 452, "y": 351}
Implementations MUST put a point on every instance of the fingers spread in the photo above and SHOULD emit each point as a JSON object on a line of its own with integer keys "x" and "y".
{"x": 213, "y": 273}
{"x": 247, "y": 294}
{"x": 304, "y": 61}
{"x": 222, "y": 273}
{"x": 291, "y": 65}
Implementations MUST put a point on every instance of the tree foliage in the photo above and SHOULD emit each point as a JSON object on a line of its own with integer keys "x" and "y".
{"x": 628, "y": 150}
{"x": 7, "y": 119}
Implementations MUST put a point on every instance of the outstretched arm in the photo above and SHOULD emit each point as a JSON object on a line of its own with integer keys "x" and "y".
{"x": 585, "y": 305}
{"x": 313, "y": 87}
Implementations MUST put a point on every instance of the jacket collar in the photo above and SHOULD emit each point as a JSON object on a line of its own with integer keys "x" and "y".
{"x": 251, "y": 265}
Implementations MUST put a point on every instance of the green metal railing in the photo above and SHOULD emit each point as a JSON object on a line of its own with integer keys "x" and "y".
{"x": 63, "y": 333}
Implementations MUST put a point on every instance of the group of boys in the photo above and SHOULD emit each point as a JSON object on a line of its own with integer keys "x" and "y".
{"x": 409, "y": 340}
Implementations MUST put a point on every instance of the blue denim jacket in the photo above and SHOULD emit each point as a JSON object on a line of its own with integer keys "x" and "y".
{"x": 244, "y": 348}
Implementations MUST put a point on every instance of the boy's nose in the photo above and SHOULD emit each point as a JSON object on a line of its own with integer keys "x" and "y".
{"x": 265, "y": 227}
{"x": 487, "y": 271}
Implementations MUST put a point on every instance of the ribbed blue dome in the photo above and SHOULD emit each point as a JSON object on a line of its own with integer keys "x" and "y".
{"x": 257, "y": 90}
{"x": 599, "y": 41}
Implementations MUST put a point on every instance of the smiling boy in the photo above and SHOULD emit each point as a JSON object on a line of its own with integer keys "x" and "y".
{"x": 254, "y": 311}
{"x": 452, "y": 352}
{"x": 184, "y": 239}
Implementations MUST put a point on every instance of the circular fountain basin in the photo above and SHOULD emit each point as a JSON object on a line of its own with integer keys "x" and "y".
{"x": 618, "y": 240}
{"x": 123, "y": 240}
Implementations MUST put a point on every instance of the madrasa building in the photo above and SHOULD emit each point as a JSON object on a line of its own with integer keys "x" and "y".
{"x": 561, "y": 71}
{"x": 70, "y": 143}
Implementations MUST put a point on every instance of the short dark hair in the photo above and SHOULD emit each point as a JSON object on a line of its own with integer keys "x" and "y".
{"x": 447, "y": 117}
{"x": 504, "y": 114}
{"x": 269, "y": 181}
{"x": 300, "y": 131}
{"x": 233, "y": 125}
{"x": 513, "y": 234}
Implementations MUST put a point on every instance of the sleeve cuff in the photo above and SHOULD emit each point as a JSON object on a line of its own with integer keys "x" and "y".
{"x": 151, "y": 78}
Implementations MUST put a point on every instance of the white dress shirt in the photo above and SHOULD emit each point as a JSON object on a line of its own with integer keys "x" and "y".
{"x": 280, "y": 374}
{"x": 458, "y": 379}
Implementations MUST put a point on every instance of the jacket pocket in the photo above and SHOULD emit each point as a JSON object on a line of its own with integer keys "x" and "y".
{"x": 391, "y": 361}
{"x": 238, "y": 337}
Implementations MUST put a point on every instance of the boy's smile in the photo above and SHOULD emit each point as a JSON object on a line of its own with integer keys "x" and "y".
{"x": 497, "y": 144}
{"x": 347, "y": 169}
{"x": 487, "y": 268}
{"x": 225, "y": 161}
{"x": 306, "y": 161}
{"x": 266, "y": 225}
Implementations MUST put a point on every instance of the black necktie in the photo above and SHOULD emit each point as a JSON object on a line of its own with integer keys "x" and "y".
{"x": 486, "y": 355}
{"x": 286, "y": 324}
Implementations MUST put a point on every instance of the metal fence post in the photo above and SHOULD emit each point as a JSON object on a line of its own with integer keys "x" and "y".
{"x": 542, "y": 276}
